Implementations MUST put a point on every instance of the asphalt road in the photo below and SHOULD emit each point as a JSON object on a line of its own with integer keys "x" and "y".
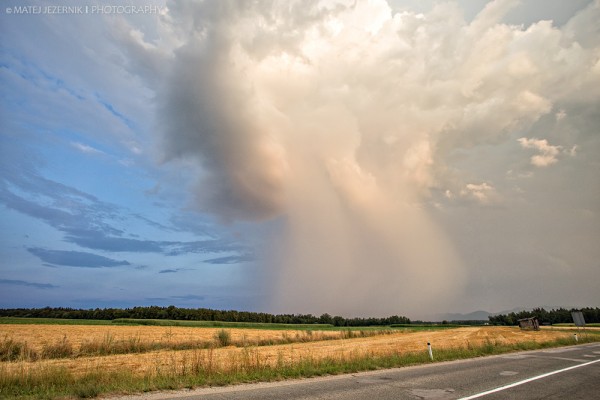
{"x": 561, "y": 373}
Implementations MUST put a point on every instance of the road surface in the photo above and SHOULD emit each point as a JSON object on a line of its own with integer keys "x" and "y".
{"x": 560, "y": 373}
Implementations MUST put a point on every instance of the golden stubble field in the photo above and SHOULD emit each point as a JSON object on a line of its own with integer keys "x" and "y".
{"x": 37, "y": 336}
{"x": 226, "y": 358}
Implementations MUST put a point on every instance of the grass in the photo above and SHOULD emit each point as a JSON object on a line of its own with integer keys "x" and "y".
{"x": 426, "y": 327}
{"x": 223, "y": 338}
{"x": 200, "y": 369}
{"x": 220, "y": 324}
{"x": 259, "y": 325}
{"x": 592, "y": 325}
{"x": 60, "y": 349}
{"x": 52, "y": 321}
{"x": 11, "y": 350}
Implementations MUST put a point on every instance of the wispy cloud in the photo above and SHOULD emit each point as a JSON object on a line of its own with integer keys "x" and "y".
{"x": 189, "y": 297}
{"x": 40, "y": 77}
{"x": 28, "y": 284}
{"x": 193, "y": 297}
{"x": 75, "y": 258}
{"x": 237, "y": 259}
{"x": 111, "y": 109}
{"x": 84, "y": 148}
{"x": 100, "y": 240}
{"x": 173, "y": 270}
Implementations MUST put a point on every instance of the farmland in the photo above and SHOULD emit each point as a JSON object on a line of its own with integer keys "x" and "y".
{"x": 47, "y": 360}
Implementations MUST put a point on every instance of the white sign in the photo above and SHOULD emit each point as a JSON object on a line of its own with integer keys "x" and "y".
{"x": 578, "y": 318}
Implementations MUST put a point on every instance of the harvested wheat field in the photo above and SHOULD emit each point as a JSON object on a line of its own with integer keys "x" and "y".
{"x": 231, "y": 357}
{"x": 40, "y": 336}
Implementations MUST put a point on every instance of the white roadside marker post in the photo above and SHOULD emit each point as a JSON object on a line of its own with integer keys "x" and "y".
{"x": 429, "y": 350}
{"x": 575, "y": 336}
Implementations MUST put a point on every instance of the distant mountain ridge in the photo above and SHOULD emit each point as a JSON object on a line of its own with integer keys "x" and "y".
{"x": 473, "y": 316}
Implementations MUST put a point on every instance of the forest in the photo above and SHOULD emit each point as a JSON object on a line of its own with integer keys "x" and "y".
{"x": 196, "y": 314}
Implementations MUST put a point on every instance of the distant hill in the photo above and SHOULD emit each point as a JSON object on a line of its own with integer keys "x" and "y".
{"x": 473, "y": 316}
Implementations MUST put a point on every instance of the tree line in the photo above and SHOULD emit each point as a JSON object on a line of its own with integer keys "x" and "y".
{"x": 196, "y": 314}
{"x": 558, "y": 316}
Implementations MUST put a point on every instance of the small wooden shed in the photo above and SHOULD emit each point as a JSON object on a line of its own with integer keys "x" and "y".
{"x": 531, "y": 324}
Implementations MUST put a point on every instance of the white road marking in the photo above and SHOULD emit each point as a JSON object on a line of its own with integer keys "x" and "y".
{"x": 475, "y": 396}
{"x": 580, "y": 360}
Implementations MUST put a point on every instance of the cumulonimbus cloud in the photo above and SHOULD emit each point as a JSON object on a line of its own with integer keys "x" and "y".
{"x": 341, "y": 116}
{"x": 386, "y": 95}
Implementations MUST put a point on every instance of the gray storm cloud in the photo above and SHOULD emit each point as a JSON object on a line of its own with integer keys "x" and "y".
{"x": 340, "y": 117}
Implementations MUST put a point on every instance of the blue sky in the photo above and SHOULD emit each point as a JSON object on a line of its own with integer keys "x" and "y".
{"x": 301, "y": 159}
{"x": 91, "y": 218}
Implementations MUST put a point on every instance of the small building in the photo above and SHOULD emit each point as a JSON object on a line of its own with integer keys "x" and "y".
{"x": 531, "y": 324}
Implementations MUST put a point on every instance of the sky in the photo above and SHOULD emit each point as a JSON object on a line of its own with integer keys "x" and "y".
{"x": 357, "y": 158}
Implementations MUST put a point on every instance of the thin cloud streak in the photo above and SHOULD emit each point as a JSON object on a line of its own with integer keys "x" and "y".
{"x": 16, "y": 282}
{"x": 75, "y": 258}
